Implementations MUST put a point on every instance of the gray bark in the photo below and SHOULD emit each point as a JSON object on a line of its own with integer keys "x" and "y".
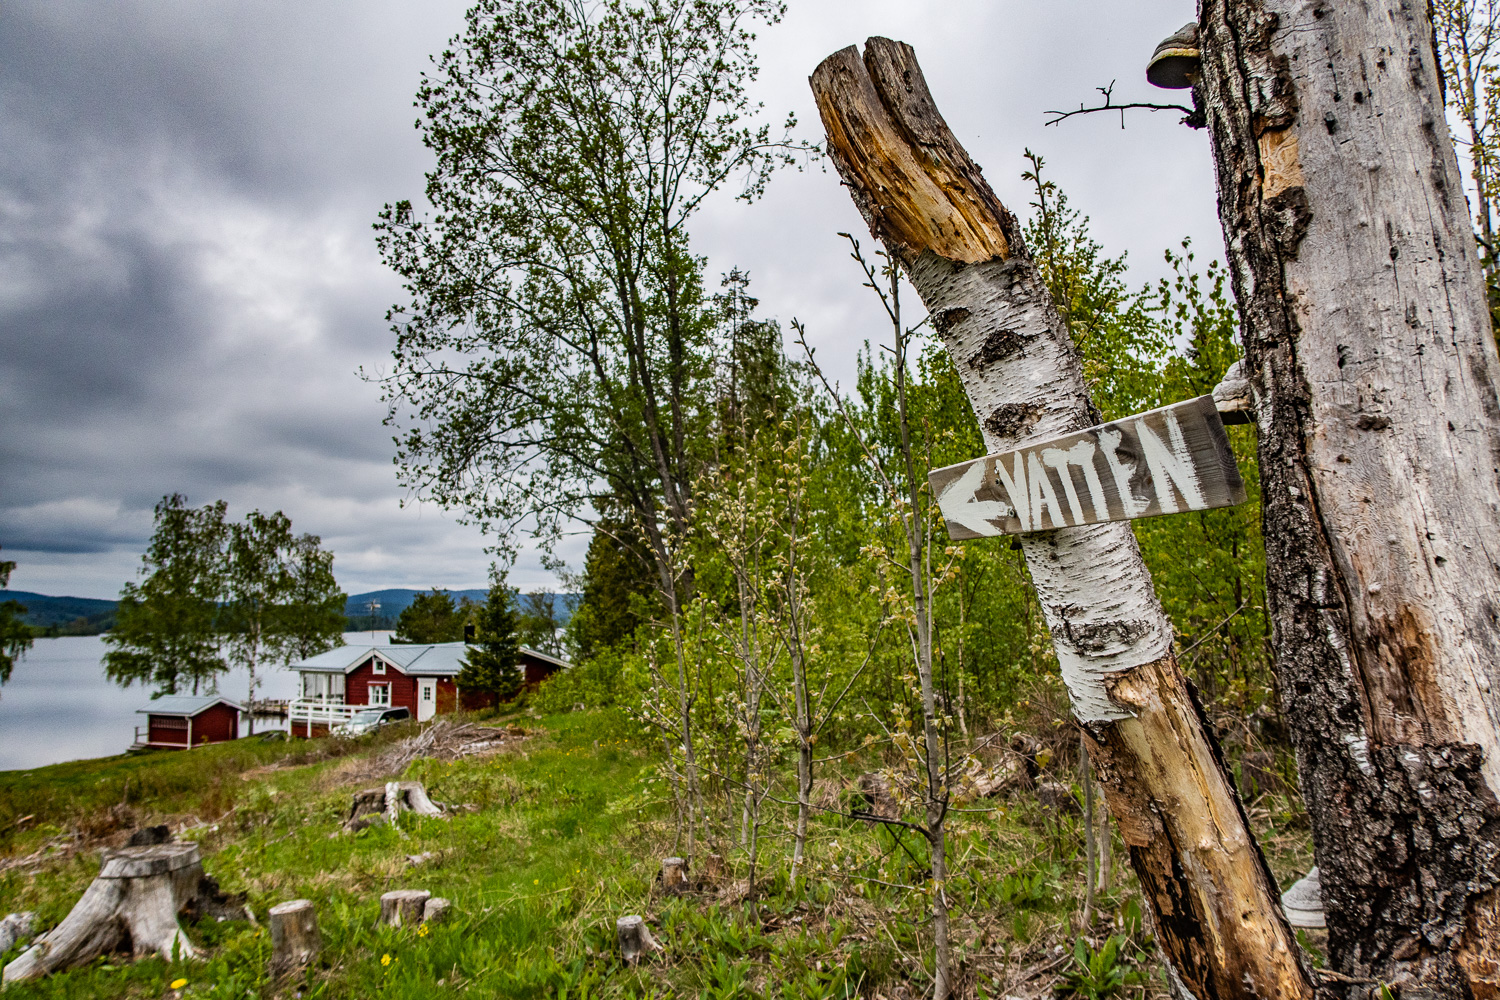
{"x": 404, "y": 907}
{"x": 295, "y": 941}
{"x": 634, "y": 939}
{"x": 1373, "y": 366}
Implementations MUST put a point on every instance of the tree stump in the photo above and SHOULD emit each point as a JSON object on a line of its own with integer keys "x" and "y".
{"x": 135, "y": 899}
{"x": 15, "y": 927}
{"x": 437, "y": 910}
{"x": 674, "y": 875}
{"x": 295, "y": 942}
{"x": 374, "y": 805}
{"x": 714, "y": 868}
{"x": 634, "y": 938}
{"x": 403, "y": 907}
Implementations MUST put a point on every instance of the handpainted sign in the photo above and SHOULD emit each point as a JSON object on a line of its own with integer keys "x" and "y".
{"x": 1162, "y": 461}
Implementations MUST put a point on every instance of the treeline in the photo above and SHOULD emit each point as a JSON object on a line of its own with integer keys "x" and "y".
{"x": 436, "y": 617}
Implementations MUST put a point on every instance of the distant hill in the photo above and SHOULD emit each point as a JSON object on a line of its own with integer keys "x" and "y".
{"x": 396, "y": 600}
{"x": 91, "y": 616}
{"x": 64, "y": 615}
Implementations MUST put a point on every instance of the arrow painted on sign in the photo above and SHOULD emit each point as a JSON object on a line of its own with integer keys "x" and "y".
{"x": 973, "y": 513}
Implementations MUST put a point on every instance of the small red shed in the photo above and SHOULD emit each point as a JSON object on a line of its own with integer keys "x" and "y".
{"x": 176, "y": 722}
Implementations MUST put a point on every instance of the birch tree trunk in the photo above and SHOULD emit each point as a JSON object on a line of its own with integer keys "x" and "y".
{"x": 1373, "y": 366}
{"x": 1213, "y": 898}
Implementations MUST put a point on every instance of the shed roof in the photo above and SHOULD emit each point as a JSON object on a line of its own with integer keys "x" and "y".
{"x": 181, "y": 704}
{"x": 439, "y": 659}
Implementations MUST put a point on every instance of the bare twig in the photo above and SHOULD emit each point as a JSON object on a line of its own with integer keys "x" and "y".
{"x": 1190, "y": 118}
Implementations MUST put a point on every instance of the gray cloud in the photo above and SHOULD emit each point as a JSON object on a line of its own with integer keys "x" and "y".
{"x": 188, "y": 282}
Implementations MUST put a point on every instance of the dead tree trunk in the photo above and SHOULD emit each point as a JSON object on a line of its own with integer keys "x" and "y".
{"x": 1213, "y": 898}
{"x": 1373, "y": 367}
{"x": 135, "y": 901}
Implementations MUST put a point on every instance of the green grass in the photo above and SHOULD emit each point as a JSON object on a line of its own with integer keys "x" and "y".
{"x": 553, "y": 840}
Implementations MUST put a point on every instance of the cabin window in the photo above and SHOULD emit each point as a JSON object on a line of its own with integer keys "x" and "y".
{"x": 329, "y": 686}
{"x": 169, "y": 722}
{"x": 379, "y": 666}
{"x": 380, "y": 694}
{"x": 426, "y": 692}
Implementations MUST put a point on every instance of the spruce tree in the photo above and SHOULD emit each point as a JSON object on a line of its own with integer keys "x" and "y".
{"x": 491, "y": 661}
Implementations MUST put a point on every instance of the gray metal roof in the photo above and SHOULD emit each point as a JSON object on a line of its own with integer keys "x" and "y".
{"x": 440, "y": 659}
{"x": 182, "y": 704}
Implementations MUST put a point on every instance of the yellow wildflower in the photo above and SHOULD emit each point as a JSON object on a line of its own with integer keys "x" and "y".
{"x": 178, "y": 984}
{"x": 385, "y": 959}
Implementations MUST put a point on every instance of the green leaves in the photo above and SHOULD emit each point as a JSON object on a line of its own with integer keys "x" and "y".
{"x": 252, "y": 589}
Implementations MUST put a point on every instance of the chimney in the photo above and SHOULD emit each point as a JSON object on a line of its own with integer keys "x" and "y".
{"x": 469, "y": 632}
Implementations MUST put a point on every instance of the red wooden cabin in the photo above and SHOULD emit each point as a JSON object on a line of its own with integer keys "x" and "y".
{"x": 176, "y": 722}
{"x": 422, "y": 678}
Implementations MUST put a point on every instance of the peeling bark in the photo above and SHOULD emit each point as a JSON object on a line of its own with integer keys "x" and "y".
{"x": 1218, "y": 920}
{"x": 1373, "y": 366}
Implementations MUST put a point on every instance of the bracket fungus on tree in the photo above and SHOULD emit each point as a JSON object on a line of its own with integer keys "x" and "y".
{"x": 1174, "y": 64}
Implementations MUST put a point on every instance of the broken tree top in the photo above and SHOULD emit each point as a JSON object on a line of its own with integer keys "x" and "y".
{"x": 1162, "y": 461}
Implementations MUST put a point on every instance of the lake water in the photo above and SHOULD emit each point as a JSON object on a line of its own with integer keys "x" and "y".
{"x": 58, "y": 705}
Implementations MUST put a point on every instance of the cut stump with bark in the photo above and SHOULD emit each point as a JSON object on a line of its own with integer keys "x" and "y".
{"x": 295, "y": 941}
{"x": 135, "y": 899}
{"x": 1213, "y": 897}
{"x": 635, "y": 939}
{"x": 403, "y": 907}
{"x": 386, "y": 803}
{"x": 674, "y": 875}
{"x": 437, "y": 910}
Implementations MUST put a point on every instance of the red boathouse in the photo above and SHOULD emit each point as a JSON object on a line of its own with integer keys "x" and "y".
{"x": 176, "y": 722}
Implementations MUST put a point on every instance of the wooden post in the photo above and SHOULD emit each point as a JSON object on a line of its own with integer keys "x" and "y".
{"x": 136, "y": 898}
{"x": 403, "y": 907}
{"x": 1214, "y": 900}
{"x": 635, "y": 939}
{"x": 295, "y": 942}
{"x": 1372, "y": 362}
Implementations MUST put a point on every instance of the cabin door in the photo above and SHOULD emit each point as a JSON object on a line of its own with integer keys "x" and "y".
{"x": 426, "y": 698}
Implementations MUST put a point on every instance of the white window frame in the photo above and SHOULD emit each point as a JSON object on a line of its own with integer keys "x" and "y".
{"x": 379, "y": 666}
{"x": 380, "y": 694}
{"x": 427, "y": 690}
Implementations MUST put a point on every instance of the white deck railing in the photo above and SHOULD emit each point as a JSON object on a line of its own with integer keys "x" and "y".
{"x": 322, "y": 712}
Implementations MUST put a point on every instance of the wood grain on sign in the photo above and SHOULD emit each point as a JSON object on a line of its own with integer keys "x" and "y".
{"x": 1162, "y": 461}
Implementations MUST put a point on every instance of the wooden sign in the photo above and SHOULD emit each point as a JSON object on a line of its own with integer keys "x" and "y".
{"x": 1162, "y": 461}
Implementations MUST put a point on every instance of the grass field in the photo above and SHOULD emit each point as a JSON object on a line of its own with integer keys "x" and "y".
{"x": 551, "y": 840}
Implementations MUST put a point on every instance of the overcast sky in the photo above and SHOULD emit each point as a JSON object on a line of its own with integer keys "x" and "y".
{"x": 188, "y": 281}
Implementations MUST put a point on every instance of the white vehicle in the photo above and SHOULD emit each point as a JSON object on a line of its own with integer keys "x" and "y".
{"x": 371, "y": 719}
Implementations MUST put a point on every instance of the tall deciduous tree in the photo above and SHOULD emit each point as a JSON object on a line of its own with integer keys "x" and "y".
{"x": 491, "y": 663}
{"x": 555, "y": 343}
{"x": 1374, "y": 370}
{"x": 166, "y": 629}
{"x": 537, "y": 623}
{"x": 15, "y": 635}
{"x": 258, "y": 585}
{"x": 313, "y": 616}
